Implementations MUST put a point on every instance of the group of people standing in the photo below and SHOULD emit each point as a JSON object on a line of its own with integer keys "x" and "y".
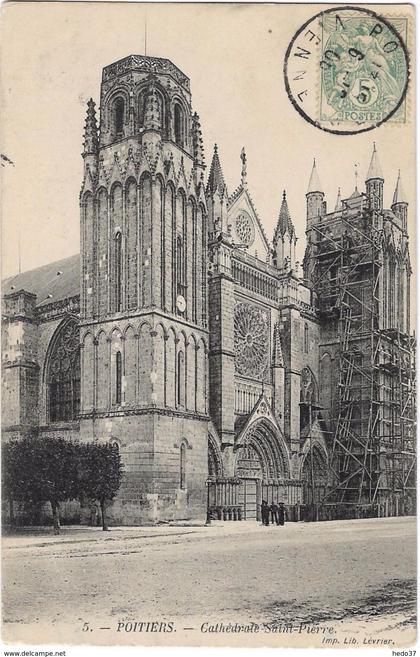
{"x": 277, "y": 512}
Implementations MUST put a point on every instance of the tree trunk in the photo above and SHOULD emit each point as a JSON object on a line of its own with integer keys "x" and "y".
{"x": 104, "y": 524}
{"x": 56, "y": 517}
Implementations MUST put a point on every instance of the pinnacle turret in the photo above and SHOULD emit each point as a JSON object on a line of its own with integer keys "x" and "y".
{"x": 197, "y": 140}
{"x": 338, "y": 201}
{"x": 217, "y": 198}
{"x": 285, "y": 239}
{"x": 400, "y": 202}
{"x": 399, "y": 194}
{"x": 315, "y": 204}
{"x": 375, "y": 170}
{"x": 216, "y": 181}
{"x": 375, "y": 182}
{"x": 314, "y": 182}
{"x": 284, "y": 223}
{"x": 243, "y": 171}
{"x": 152, "y": 119}
{"x": 91, "y": 141}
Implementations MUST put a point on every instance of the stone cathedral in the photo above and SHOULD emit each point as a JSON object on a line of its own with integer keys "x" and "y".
{"x": 187, "y": 337}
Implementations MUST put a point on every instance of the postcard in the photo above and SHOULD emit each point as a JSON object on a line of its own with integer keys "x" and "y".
{"x": 208, "y": 358}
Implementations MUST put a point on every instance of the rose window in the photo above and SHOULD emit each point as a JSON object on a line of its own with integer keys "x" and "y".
{"x": 244, "y": 229}
{"x": 251, "y": 341}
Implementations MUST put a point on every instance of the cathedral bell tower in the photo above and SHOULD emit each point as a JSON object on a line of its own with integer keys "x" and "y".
{"x": 144, "y": 337}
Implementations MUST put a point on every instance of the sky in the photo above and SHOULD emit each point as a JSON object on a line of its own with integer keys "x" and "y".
{"x": 53, "y": 55}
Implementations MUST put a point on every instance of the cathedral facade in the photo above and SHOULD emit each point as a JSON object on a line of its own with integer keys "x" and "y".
{"x": 186, "y": 336}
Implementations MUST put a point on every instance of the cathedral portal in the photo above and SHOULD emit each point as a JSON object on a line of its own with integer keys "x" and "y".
{"x": 262, "y": 464}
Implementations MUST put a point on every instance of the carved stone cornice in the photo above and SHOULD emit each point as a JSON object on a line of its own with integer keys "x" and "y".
{"x": 154, "y": 65}
{"x": 31, "y": 365}
{"x": 147, "y": 410}
{"x": 57, "y": 308}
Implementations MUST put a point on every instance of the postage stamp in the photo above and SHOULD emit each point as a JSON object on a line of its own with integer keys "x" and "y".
{"x": 346, "y": 70}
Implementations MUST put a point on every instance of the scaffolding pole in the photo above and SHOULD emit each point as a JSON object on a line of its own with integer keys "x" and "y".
{"x": 373, "y": 448}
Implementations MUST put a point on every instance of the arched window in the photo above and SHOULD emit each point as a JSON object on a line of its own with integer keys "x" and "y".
{"x": 180, "y": 392}
{"x": 178, "y": 125}
{"x": 119, "y": 115}
{"x": 391, "y": 305}
{"x": 63, "y": 375}
{"x": 182, "y": 466}
{"x": 118, "y": 377}
{"x": 308, "y": 396}
{"x": 118, "y": 271}
{"x": 306, "y": 339}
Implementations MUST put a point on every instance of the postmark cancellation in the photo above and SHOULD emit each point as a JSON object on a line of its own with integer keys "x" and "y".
{"x": 347, "y": 69}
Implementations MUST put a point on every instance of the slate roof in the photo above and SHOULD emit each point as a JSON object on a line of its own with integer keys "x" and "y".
{"x": 314, "y": 182}
{"x": 375, "y": 170}
{"x": 46, "y": 280}
{"x": 399, "y": 194}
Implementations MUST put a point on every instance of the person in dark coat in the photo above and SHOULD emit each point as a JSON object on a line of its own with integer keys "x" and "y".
{"x": 265, "y": 512}
{"x": 274, "y": 513}
{"x": 281, "y": 514}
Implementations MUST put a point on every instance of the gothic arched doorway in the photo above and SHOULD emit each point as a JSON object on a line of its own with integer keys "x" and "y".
{"x": 249, "y": 469}
{"x": 262, "y": 464}
{"x": 314, "y": 475}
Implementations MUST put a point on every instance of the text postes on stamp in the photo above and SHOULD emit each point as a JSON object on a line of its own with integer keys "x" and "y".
{"x": 346, "y": 70}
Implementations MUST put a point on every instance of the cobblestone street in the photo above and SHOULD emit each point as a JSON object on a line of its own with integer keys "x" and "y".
{"x": 357, "y": 577}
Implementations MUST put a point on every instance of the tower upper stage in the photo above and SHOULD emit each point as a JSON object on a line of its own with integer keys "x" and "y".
{"x": 141, "y": 94}
{"x": 147, "y": 65}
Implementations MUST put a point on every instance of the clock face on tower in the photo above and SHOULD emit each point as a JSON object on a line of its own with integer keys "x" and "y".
{"x": 180, "y": 303}
{"x": 244, "y": 228}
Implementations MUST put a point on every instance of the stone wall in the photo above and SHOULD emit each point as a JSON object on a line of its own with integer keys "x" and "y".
{"x": 221, "y": 355}
{"x": 150, "y": 447}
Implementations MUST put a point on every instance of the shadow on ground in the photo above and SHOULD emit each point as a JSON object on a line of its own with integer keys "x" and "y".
{"x": 398, "y": 597}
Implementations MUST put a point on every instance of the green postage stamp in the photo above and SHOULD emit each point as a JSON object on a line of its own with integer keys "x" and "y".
{"x": 347, "y": 70}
